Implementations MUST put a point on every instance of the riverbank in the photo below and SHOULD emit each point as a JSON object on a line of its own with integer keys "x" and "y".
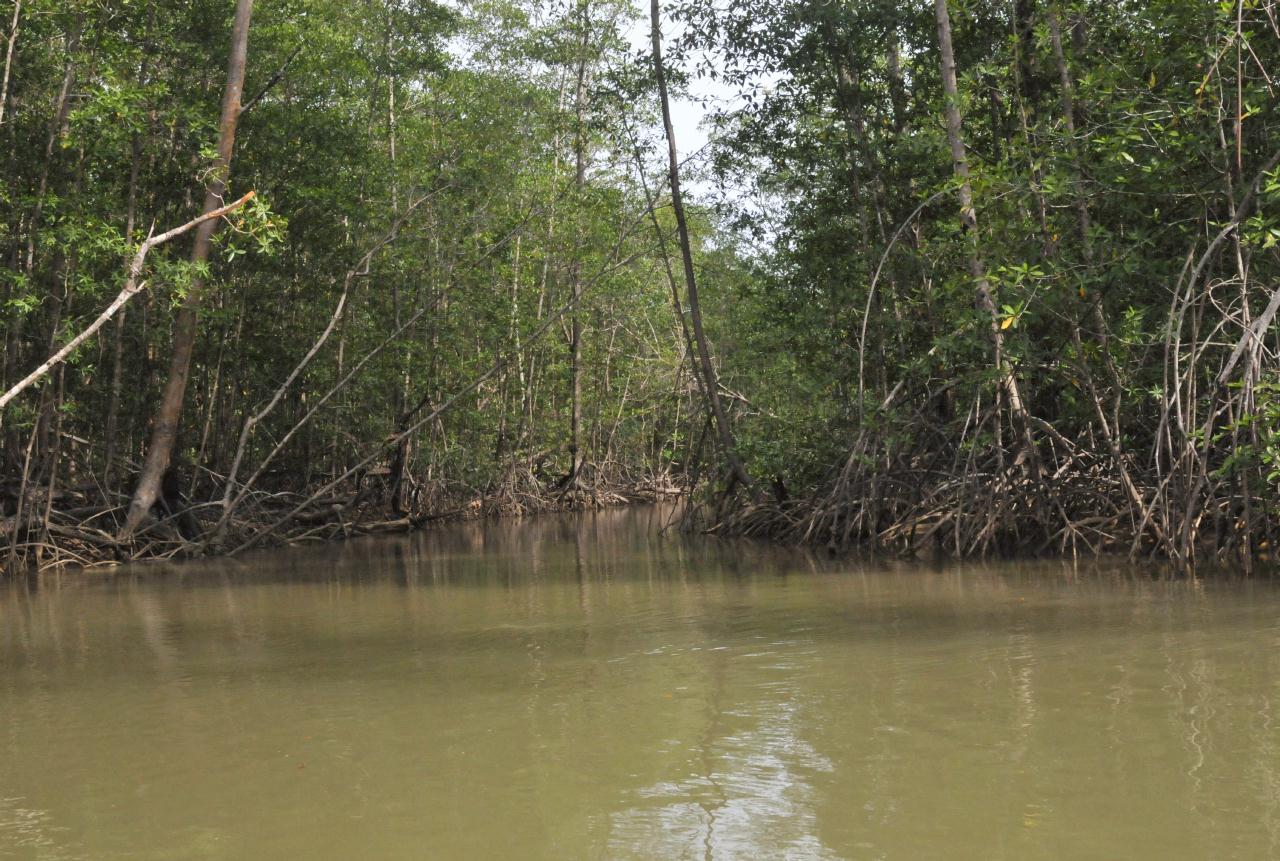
{"x": 70, "y": 531}
{"x": 1066, "y": 501}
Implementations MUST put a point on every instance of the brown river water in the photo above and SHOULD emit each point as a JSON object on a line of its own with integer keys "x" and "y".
{"x": 591, "y": 688}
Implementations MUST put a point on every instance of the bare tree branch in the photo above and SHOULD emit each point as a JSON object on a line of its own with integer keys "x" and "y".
{"x": 132, "y": 286}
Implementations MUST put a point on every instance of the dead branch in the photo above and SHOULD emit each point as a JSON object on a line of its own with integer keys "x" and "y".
{"x": 132, "y": 286}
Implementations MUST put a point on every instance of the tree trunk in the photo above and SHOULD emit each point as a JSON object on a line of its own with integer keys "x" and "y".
{"x": 575, "y": 269}
{"x": 8, "y": 58}
{"x": 60, "y": 111}
{"x": 117, "y": 369}
{"x": 1069, "y": 119}
{"x": 1110, "y": 428}
{"x": 897, "y": 89}
{"x": 169, "y": 414}
{"x": 132, "y": 286}
{"x": 983, "y": 299}
{"x": 737, "y": 470}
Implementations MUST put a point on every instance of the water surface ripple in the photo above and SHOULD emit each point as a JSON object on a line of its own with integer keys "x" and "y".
{"x": 587, "y": 688}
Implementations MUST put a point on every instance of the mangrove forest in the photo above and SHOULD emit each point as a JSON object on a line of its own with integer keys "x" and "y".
{"x": 958, "y": 277}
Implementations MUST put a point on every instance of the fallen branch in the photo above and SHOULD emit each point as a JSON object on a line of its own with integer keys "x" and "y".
{"x": 395, "y": 439}
{"x": 361, "y": 269}
{"x": 132, "y": 286}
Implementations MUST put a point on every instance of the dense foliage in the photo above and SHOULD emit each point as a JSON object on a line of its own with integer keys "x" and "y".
{"x": 1037, "y": 313}
{"x": 422, "y": 158}
{"x": 1121, "y": 163}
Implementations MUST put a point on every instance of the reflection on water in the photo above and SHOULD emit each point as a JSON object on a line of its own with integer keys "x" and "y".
{"x": 590, "y": 688}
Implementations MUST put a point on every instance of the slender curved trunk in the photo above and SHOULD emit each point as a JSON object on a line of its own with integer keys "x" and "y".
{"x": 164, "y": 432}
{"x": 737, "y": 470}
{"x": 575, "y": 269}
{"x": 983, "y": 298}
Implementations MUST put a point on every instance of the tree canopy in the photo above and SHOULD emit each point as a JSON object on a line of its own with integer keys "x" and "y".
{"x": 1025, "y": 305}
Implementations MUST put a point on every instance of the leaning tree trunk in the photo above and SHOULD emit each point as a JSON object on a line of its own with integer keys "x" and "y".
{"x": 737, "y": 470}
{"x": 169, "y": 414}
{"x": 969, "y": 219}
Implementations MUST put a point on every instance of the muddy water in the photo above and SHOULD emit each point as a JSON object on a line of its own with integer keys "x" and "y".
{"x": 565, "y": 689}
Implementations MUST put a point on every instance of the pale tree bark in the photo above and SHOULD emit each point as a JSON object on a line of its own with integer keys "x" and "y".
{"x": 61, "y": 109}
{"x": 1083, "y": 216}
{"x": 117, "y": 366}
{"x": 52, "y": 155}
{"x": 897, "y": 88}
{"x": 1067, "y": 95}
{"x": 575, "y": 268}
{"x": 737, "y": 469}
{"x": 231, "y": 499}
{"x": 168, "y": 416}
{"x": 8, "y": 58}
{"x": 132, "y": 286}
{"x": 401, "y": 462}
{"x": 983, "y": 298}
{"x": 617, "y": 262}
{"x": 686, "y": 345}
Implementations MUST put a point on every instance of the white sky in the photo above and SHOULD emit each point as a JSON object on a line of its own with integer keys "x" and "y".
{"x": 687, "y": 112}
